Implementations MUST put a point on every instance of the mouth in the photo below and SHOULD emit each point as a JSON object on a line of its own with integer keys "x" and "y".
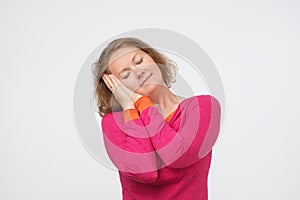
{"x": 146, "y": 80}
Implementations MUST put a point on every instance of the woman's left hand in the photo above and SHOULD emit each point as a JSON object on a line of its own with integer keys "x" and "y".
{"x": 123, "y": 94}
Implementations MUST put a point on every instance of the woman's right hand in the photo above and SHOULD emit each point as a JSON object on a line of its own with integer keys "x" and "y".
{"x": 125, "y": 97}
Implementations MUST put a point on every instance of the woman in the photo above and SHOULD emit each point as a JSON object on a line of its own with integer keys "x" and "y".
{"x": 160, "y": 142}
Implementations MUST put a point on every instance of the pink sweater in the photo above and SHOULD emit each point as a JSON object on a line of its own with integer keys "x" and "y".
{"x": 163, "y": 159}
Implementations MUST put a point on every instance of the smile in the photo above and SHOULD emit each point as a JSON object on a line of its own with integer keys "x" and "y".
{"x": 146, "y": 79}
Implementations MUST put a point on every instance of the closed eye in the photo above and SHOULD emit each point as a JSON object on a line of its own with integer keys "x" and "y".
{"x": 140, "y": 61}
{"x": 126, "y": 74}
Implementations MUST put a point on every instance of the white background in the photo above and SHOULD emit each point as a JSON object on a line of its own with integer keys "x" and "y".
{"x": 254, "y": 45}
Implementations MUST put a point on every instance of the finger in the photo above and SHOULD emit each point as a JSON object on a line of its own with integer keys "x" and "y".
{"x": 114, "y": 79}
{"x": 108, "y": 82}
{"x": 116, "y": 82}
{"x": 121, "y": 85}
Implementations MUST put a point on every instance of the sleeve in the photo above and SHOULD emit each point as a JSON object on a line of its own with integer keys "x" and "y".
{"x": 129, "y": 147}
{"x": 133, "y": 113}
{"x": 182, "y": 146}
{"x": 130, "y": 114}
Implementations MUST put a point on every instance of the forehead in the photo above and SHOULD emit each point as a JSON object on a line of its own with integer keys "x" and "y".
{"x": 122, "y": 55}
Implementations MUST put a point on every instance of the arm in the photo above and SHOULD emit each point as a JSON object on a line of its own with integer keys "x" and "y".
{"x": 126, "y": 141}
{"x": 129, "y": 147}
{"x": 184, "y": 145}
{"x": 176, "y": 146}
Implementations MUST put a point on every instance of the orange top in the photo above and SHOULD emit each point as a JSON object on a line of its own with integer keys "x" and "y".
{"x": 141, "y": 104}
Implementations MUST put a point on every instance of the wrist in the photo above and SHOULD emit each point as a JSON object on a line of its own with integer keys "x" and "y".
{"x": 135, "y": 97}
{"x": 129, "y": 106}
{"x": 143, "y": 103}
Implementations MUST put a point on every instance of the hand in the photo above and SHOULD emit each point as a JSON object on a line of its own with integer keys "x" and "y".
{"x": 125, "y": 97}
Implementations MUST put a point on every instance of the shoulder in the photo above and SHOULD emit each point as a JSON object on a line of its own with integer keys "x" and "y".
{"x": 199, "y": 98}
{"x": 109, "y": 120}
{"x": 208, "y": 97}
{"x": 205, "y": 98}
{"x": 107, "y": 117}
{"x": 206, "y": 101}
{"x": 209, "y": 105}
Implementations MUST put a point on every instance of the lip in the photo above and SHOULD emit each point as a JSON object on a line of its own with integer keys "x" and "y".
{"x": 146, "y": 79}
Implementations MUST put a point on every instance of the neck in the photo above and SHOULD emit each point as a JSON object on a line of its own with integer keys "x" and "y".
{"x": 164, "y": 99}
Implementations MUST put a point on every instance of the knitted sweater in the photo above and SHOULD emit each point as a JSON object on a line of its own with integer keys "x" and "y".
{"x": 163, "y": 159}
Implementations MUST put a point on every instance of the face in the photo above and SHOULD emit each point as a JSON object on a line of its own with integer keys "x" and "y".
{"x": 136, "y": 70}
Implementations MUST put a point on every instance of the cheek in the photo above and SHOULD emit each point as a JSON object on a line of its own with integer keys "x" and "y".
{"x": 131, "y": 84}
{"x": 157, "y": 76}
{"x": 156, "y": 70}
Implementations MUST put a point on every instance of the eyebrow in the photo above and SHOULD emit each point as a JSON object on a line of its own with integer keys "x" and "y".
{"x": 126, "y": 68}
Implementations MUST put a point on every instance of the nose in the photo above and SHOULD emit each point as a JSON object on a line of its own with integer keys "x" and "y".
{"x": 139, "y": 73}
